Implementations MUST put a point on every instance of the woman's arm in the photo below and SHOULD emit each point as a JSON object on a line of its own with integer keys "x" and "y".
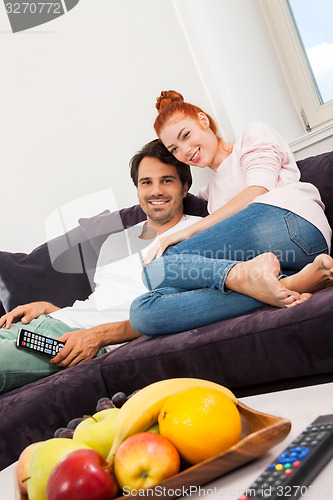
{"x": 237, "y": 203}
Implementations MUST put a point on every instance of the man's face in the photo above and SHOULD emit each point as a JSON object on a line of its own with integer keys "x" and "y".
{"x": 160, "y": 192}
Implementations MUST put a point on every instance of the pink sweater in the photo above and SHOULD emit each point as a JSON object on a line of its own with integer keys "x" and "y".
{"x": 261, "y": 157}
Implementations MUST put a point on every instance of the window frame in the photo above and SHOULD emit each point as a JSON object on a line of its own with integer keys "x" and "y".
{"x": 295, "y": 64}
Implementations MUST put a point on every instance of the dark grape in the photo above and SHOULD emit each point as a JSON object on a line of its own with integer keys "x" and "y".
{"x": 134, "y": 392}
{"x": 66, "y": 433}
{"x": 119, "y": 399}
{"x": 74, "y": 423}
{"x": 58, "y": 431}
{"x": 104, "y": 404}
{"x": 63, "y": 432}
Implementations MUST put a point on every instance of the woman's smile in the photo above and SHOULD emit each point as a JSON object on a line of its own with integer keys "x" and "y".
{"x": 196, "y": 157}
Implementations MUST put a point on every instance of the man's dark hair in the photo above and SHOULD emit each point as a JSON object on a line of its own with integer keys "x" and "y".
{"x": 156, "y": 149}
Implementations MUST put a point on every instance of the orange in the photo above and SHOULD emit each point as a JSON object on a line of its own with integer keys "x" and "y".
{"x": 200, "y": 422}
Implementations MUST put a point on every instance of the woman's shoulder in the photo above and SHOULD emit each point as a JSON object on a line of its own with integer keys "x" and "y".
{"x": 257, "y": 132}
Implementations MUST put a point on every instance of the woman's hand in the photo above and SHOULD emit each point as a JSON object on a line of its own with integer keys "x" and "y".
{"x": 163, "y": 243}
{"x": 26, "y": 313}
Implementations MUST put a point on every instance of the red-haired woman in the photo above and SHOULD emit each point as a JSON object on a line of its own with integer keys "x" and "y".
{"x": 263, "y": 223}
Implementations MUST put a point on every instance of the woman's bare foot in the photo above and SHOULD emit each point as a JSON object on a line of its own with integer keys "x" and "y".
{"x": 313, "y": 277}
{"x": 258, "y": 279}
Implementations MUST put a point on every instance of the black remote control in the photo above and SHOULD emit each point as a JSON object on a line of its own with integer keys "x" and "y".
{"x": 38, "y": 343}
{"x": 297, "y": 465}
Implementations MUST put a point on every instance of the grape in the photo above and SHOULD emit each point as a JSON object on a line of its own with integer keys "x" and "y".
{"x": 119, "y": 399}
{"x": 74, "y": 423}
{"x": 104, "y": 404}
{"x": 64, "y": 432}
{"x": 58, "y": 431}
{"x": 134, "y": 392}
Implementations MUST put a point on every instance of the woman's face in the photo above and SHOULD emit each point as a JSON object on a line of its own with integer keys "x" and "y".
{"x": 192, "y": 141}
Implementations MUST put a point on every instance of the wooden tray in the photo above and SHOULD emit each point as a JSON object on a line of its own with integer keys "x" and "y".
{"x": 260, "y": 432}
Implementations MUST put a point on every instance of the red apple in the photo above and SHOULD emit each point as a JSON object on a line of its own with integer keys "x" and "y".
{"x": 83, "y": 474}
{"x": 144, "y": 460}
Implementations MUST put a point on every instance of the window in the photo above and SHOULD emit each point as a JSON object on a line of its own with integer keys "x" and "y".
{"x": 303, "y": 34}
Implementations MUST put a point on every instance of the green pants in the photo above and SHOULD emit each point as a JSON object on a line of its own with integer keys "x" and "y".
{"x": 17, "y": 365}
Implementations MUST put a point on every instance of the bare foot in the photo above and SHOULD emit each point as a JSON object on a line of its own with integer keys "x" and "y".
{"x": 313, "y": 277}
{"x": 258, "y": 279}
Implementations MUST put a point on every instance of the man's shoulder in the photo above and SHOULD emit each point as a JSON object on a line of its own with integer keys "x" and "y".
{"x": 185, "y": 221}
{"x": 189, "y": 219}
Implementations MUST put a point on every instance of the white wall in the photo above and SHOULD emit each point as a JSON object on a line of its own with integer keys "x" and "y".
{"x": 77, "y": 98}
{"x": 77, "y": 101}
{"x": 238, "y": 62}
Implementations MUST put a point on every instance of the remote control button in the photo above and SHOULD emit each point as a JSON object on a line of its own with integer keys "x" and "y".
{"x": 288, "y": 472}
{"x": 302, "y": 451}
{"x": 279, "y": 467}
{"x": 297, "y": 463}
{"x": 288, "y": 456}
{"x": 322, "y": 434}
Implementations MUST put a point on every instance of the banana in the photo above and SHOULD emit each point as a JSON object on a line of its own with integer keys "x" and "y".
{"x": 142, "y": 409}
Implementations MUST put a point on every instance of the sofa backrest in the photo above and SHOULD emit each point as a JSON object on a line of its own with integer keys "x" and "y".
{"x": 319, "y": 171}
{"x": 61, "y": 270}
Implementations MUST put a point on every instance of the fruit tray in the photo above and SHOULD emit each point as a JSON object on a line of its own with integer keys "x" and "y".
{"x": 260, "y": 432}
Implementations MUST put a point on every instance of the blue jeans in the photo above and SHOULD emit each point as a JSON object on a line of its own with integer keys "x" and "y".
{"x": 187, "y": 284}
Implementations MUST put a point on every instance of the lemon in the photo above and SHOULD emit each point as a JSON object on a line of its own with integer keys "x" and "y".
{"x": 201, "y": 422}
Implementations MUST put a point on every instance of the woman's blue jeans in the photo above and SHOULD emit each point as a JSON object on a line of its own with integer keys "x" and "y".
{"x": 187, "y": 284}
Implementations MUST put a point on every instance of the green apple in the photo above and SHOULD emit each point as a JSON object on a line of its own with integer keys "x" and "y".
{"x": 46, "y": 456}
{"x": 23, "y": 466}
{"x": 154, "y": 428}
{"x": 98, "y": 431}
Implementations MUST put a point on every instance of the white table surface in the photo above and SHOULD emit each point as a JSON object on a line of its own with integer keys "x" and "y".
{"x": 300, "y": 406}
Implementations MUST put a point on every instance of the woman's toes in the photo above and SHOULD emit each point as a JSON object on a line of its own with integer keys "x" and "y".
{"x": 302, "y": 298}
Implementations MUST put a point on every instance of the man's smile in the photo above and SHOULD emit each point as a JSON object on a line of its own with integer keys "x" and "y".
{"x": 158, "y": 202}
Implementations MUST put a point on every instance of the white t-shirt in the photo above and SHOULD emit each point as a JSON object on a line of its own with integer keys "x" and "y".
{"x": 118, "y": 275}
{"x": 261, "y": 157}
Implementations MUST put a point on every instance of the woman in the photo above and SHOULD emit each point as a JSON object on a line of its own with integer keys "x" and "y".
{"x": 262, "y": 222}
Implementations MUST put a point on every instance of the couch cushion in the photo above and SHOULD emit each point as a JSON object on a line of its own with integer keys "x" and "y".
{"x": 238, "y": 352}
{"x": 30, "y": 277}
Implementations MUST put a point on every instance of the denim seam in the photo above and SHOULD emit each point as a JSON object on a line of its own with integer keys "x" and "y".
{"x": 224, "y": 277}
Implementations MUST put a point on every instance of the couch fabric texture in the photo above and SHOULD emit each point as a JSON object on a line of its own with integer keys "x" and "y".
{"x": 267, "y": 349}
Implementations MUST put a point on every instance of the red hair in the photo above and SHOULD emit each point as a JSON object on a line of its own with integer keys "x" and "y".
{"x": 170, "y": 103}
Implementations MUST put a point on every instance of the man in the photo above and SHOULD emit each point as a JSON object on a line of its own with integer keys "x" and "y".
{"x": 89, "y": 326}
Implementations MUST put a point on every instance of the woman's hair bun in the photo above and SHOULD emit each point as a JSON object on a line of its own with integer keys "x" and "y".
{"x": 166, "y": 97}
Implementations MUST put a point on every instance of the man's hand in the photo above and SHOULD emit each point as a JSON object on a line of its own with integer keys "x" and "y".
{"x": 26, "y": 313}
{"x": 80, "y": 345}
{"x": 162, "y": 243}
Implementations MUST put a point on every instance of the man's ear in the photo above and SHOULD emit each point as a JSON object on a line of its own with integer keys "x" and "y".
{"x": 185, "y": 189}
{"x": 203, "y": 120}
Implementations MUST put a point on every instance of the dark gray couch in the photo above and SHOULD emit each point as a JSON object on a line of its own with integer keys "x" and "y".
{"x": 267, "y": 349}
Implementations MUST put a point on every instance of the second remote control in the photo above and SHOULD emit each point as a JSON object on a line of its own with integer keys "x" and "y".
{"x": 297, "y": 465}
